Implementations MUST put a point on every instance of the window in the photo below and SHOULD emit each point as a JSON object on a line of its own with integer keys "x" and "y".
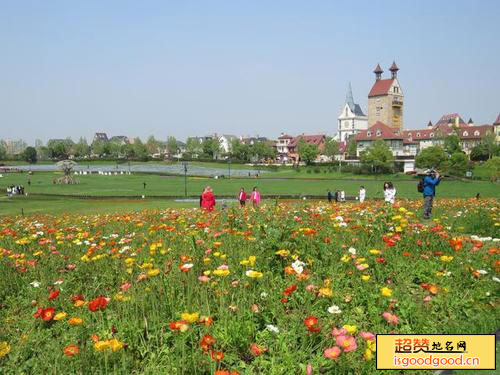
{"x": 368, "y": 134}
{"x": 465, "y": 134}
{"x": 431, "y": 135}
{"x": 418, "y": 135}
{"x": 379, "y": 133}
{"x": 476, "y": 133}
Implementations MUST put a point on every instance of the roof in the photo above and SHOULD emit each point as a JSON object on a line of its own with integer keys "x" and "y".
{"x": 311, "y": 139}
{"x": 381, "y": 87}
{"x": 355, "y": 108}
{"x": 378, "y": 69}
{"x": 378, "y": 131}
{"x": 475, "y": 132}
{"x": 497, "y": 121}
{"x": 445, "y": 120}
{"x": 394, "y": 67}
{"x": 285, "y": 136}
{"x": 468, "y": 132}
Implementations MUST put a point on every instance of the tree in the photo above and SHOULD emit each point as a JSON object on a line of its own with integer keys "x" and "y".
{"x": 352, "y": 147}
{"x": 58, "y": 150}
{"x": 3, "y": 153}
{"x": 431, "y": 157}
{"x": 479, "y": 153}
{"x": 490, "y": 144}
{"x": 172, "y": 147}
{"x": 152, "y": 145}
{"x": 378, "y": 157}
{"x": 307, "y": 152}
{"x": 193, "y": 146}
{"x": 29, "y": 155}
{"x": 262, "y": 150}
{"x": 331, "y": 148}
{"x": 128, "y": 151}
{"x": 451, "y": 144}
{"x": 140, "y": 150}
{"x": 81, "y": 149}
{"x": 458, "y": 164}
{"x": 492, "y": 168}
{"x": 240, "y": 150}
{"x": 100, "y": 148}
{"x": 211, "y": 147}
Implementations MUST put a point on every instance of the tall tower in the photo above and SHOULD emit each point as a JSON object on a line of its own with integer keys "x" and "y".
{"x": 385, "y": 100}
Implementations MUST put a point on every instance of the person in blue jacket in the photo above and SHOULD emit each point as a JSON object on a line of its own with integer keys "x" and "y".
{"x": 430, "y": 182}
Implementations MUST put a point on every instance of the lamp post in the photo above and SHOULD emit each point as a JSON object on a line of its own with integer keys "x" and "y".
{"x": 229, "y": 166}
{"x": 185, "y": 178}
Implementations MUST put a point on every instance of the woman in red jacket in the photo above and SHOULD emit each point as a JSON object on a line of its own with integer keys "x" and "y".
{"x": 242, "y": 197}
{"x": 208, "y": 199}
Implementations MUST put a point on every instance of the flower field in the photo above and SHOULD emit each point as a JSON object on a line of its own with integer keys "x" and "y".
{"x": 295, "y": 288}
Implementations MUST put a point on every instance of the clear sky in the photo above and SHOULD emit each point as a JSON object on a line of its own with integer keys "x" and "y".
{"x": 140, "y": 68}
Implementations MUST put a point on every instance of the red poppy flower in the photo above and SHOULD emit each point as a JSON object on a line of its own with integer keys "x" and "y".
{"x": 54, "y": 295}
{"x": 288, "y": 291}
{"x": 38, "y": 313}
{"x": 207, "y": 342}
{"x": 256, "y": 350}
{"x": 380, "y": 260}
{"x": 71, "y": 351}
{"x": 99, "y": 303}
{"x": 216, "y": 356}
{"x": 48, "y": 314}
{"x": 311, "y": 324}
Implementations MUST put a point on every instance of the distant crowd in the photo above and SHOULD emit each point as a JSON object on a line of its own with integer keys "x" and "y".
{"x": 15, "y": 190}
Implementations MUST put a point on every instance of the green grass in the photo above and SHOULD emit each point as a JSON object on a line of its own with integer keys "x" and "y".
{"x": 125, "y": 185}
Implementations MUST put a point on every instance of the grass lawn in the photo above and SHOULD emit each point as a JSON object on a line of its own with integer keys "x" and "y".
{"x": 132, "y": 185}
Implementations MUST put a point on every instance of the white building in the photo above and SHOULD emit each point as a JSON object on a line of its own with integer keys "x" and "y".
{"x": 352, "y": 120}
{"x": 282, "y": 147}
{"x": 225, "y": 142}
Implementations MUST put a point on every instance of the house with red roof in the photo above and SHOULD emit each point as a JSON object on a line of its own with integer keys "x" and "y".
{"x": 282, "y": 147}
{"x": 316, "y": 140}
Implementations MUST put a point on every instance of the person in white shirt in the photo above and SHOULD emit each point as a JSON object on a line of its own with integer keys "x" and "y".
{"x": 362, "y": 194}
{"x": 342, "y": 196}
{"x": 389, "y": 192}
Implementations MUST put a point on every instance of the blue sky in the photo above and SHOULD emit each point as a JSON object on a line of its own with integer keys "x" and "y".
{"x": 180, "y": 68}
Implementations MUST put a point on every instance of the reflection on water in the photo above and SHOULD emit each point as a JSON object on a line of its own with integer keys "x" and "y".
{"x": 158, "y": 168}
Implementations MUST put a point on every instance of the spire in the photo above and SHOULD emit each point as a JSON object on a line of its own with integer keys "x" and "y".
{"x": 349, "y": 98}
{"x": 378, "y": 72}
{"x": 394, "y": 69}
{"x": 429, "y": 125}
{"x": 470, "y": 122}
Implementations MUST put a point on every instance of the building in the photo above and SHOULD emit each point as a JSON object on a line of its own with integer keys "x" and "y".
{"x": 225, "y": 142}
{"x": 351, "y": 119}
{"x": 100, "y": 137}
{"x": 385, "y": 100}
{"x": 470, "y": 134}
{"x": 282, "y": 147}
{"x": 496, "y": 127}
{"x": 316, "y": 140}
{"x": 119, "y": 139}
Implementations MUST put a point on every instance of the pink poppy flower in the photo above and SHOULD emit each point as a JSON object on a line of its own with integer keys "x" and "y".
{"x": 204, "y": 279}
{"x": 332, "y": 353}
{"x": 311, "y": 287}
{"x": 367, "y": 336}
{"x": 390, "y": 318}
{"x": 339, "y": 332}
{"x": 348, "y": 343}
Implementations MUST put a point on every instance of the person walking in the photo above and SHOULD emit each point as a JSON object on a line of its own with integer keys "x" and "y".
{"x": 342, "y": 196}
{"x": 330, "y": 196}
{"x": 208, "y": 199}
{"x": 337, "y": 196}
{"x": 362, "y": 194}
{"x": 255, "y": 197}
{"x": 389, "y": 193}
{"x": 430, "y": 182}
{"x": 242, "y": 197}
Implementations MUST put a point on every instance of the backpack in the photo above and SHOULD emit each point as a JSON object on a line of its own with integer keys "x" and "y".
{"x": 420, "y": 186}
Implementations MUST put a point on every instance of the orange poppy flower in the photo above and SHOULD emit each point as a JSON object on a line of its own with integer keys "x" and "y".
{"x": 71, "y": 351}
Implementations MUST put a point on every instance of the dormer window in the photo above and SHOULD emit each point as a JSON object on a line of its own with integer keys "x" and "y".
{"x": 465, "y": 134}
{"x": 431, "y": 135}
{"x": 379, "y": 133}
{"x": 368, "y": 134}
{"x": 418, "y": 135}
{"x": 476, "y": 133}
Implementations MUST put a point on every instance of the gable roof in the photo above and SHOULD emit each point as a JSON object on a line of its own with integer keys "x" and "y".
{"x": 379, "y": 130}
{"x": 445, "y": 120}
{"x": 381, "y": 87}
{"x": 310, "y": 139}
{"x": 497, "y": 121}
{"x": 285, "y": 136}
